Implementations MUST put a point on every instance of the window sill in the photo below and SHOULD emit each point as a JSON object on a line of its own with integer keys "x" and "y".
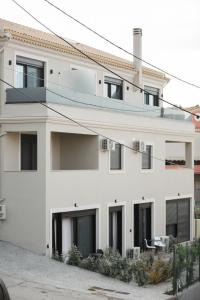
{"x": 111, "y": 172}
{"x": 146, "y": 170}
{"x": 21, "y": 171}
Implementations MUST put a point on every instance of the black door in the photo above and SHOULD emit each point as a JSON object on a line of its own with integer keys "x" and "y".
{"x": 84, "y": 232}
{"x": 57, "y": 234}
{"x": 142, "y": 223}
{"x": 115, "y": 228}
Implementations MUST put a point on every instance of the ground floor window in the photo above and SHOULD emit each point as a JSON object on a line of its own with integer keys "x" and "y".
{"x": 178, "y": 219}
{"x": 74, "y": 228}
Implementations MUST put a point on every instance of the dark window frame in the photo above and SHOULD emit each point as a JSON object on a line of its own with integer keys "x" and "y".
{"x": 151, "y": 92}
{"x": 27, "y": 64}
{"x": 149, "y": 153}
{"x": 113, "y": 155}
{"x": 113, "y": 82}
{"x": 28, "y": 152}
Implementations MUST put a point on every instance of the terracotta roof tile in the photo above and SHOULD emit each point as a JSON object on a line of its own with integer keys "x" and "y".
{"x": 43, "y": 39}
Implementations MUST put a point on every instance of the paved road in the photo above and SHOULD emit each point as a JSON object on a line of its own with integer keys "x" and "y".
{"x": 34, "y": 277}
{"x": 23, "y": 290}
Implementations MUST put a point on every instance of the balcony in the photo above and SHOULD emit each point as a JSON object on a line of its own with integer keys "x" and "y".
{"x": 72, "y": 97}
{"x": 74, "y": 151}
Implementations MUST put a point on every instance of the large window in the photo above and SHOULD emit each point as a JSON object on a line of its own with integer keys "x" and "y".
{"x": 29, "y": 73}
{"x": 147, "y": 158}
{"x": 151, "y": 96}
{"x": 178, "y": 219}
{"x": 28, "y": 152}
{"x": 116, "y": 158}
{"x": 113, "y": 87}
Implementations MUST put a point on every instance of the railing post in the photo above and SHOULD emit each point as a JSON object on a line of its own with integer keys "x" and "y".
{"x": 174, "y": 272}
{"x": 199, "y": 256}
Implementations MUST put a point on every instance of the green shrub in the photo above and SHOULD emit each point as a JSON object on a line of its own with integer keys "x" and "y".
{"x": 58, "y": 256}
{"x": 74, "y": 256}
{"x": 112, "y": 264}
{"x": 89, "y": 263}
{"x": 140, "y": 272}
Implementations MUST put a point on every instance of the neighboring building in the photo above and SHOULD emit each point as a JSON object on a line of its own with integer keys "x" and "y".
{"x": 59, "y": 184}
{"x": 176, "y": 152}
{"x": 196, "y": 122}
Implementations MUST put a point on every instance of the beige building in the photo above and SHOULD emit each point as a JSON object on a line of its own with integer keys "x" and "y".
{"x": 62, "y": 184}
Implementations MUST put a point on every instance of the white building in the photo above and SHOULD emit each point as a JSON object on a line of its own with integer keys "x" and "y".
{"x": 58, "y": 185}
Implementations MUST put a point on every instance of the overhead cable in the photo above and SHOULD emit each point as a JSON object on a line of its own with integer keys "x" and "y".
{"x": 98, "y": 63}
{"x": 120, "y": 47}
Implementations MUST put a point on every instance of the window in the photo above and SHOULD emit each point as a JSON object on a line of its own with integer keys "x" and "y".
{"x": 116, "y": 157}
{"x": 28, "y": 152}
{"x": 178, "y": 219}
{"x": 147, "y": 158}
{"x": 151, "y": 96}
{"x": 113, "y": 87}
{"x": 30, "y": 73}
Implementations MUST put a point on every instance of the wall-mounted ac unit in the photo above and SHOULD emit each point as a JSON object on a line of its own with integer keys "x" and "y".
{"x": 107, "y": 144}
{"x": 139, "y": 146}
{"x": 165, "y": 240}
{"x": 2, "y": 212}
{"x": 133, "y": 253}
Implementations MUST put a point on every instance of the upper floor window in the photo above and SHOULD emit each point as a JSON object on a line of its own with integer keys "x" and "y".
{"x": 147, "y": 158}
{"x": 151, "y": 96}
{"x": 28, "y": 152}
{"x": 116, "y": 158}
{"x": 29, "y": 72}
{"x": 113, "y": 87}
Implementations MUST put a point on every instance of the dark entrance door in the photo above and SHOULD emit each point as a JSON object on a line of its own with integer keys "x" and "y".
{"x": 57, "y": 234}
{"x": 115, "y": 228}
{"x": 142, "y": 223}
{"x": 84, "y": 229}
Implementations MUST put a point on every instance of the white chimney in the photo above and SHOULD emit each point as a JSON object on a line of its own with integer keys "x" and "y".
{"x": 137, "y": 51}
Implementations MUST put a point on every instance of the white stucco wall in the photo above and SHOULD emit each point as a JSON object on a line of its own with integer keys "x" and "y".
{"x": 31, "y": 196}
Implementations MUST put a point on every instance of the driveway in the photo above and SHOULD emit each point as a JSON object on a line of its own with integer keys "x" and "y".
{"x": 34, "y": 277}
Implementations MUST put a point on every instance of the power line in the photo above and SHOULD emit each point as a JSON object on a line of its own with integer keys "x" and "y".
{"x": 146, "y": 110}
{"x": 82, "y": 125}
{"x": 119, "y": 47}
{"x": 98, "y": 63}
{"x": 95, "y": 105}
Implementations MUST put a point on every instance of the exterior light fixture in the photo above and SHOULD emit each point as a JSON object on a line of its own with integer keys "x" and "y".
{"x": 75, "y": 204}
{"x": 115, "y": 200}
{"x": 51, "y": 71}
{"x": 10, "y": 62}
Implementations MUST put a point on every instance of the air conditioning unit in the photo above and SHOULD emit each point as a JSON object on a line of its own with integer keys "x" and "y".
{"x": 107, "y": 145}
{"x": 2, "y": 212}
{"x": 139, "y": 146}
{"x": 112, "y": 145}
{"x": 133, "y": 253}
{"x": 142, "y": 147}
{"x": 165, "y": 240}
